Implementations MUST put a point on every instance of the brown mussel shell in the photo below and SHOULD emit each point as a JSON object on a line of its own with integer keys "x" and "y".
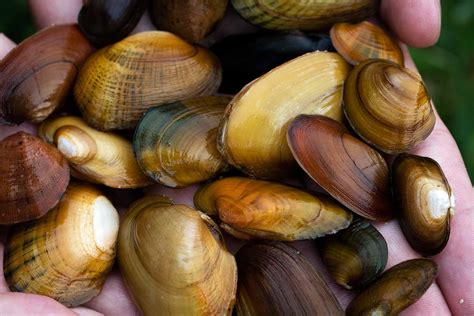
{"x": 105, "y": 22}
{"x": 397, "y": 288}
{"x": 192, "y": 20}
{"x": 365, "y": 40}
{"x": 425, "y": 202}
{"x": 348, "y": 169}
{"x": 354, "y": 256}
{"x": 276, "y": 279}
{"x": 37, "y": 75}
{"x": 34, "y": 177}
{"x": 388, "y": 105}
{"x": 270, "y": 210}
{"x": 176, "y": 143}
{"x": 304, "y": 15}
{"x": 68, "y": 253}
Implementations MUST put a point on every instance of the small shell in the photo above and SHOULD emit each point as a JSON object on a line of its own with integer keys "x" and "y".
{"x": 270, "y": 210}
{"x": 67, "y": 254}
{"x": 34, "y": 177}
{"x": 175, "y": 143}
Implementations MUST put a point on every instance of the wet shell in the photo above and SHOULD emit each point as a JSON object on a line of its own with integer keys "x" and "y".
{"x": 348, "y": 169}
{"x": 252, "y": 135}
{"x": 355, "y": 256}
{"x": 304, "y": 15}
{"x": 365, "y": 40}
{"x": 270, "y": 210}
{"x": 425, "y": 202}
{"x": 276, "y": 279}
{"x": 388, "y": 106}
{"x": 34, "y": 177}
{"x": 37, "y": 75}
{"x": 67, "y": 254}
{"x": 122, "y": 81}
{"x": 175, "y": 143}
{"x": 174, "y": 259}
{"x": 95, "y": 156}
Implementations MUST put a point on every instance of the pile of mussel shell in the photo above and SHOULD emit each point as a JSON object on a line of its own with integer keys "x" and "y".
{"x": 316, "y": 89}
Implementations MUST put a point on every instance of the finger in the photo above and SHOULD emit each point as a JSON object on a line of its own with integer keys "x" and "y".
{"x": 31, "y": 304}
{"x": 82, "y": 311}
{"x": 6, "y": 45}
{"x": 417, "y": 23}
{"x": 49, "y": 12}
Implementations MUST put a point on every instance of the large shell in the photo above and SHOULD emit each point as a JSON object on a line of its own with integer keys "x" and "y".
{"x": 276, "y": 279}
{"x": 398, "y": 288}
{"x": 175, "y": 143}
{"x": 34, "y": 177}
{"x": 388, "y": 105}
{"x": 365, "y": 40}
{"x": 425, "y": 202}
{"x": 120, "y": 82}
{"x": 174, "y": 259}
{"x": 355, "y": 256}
{"x": 252, "y": 135}
{"x": 37, "y": 75}
{"x": 192, "y": 20}
{"x": 270, "y": 210}
{"x": 304, "y": 15}
{"x": 351, "y": 171}
{"x": 67, "y": 254}
{"x": 95, "y": 156}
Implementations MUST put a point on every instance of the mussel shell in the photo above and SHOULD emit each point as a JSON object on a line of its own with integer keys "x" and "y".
{"x": 192, "y": 20}
{"x": 176, "y": 143}
{"x": 122, "y": 81}
{"x": 252, "y": 135}
{"x": 37, "y": 75}
{"x": 388, "y": 105}
{"x": 271, "y": 210}
{"x": 304, "y": 15}
{"x": 356, "y": 255}
{"x": 174, "y": 259}
{"x": 365, "y": 40}
{"x": 104, "y": 22}
{"x": 245, "y": 57}
{"x": 68, "y": 253}
{"x": 425, "y": 202}
{"x": 276, "y": 279}
{"x": 348, "y": 169}
{"x": 397, "y": 288}
{"x": 34, "y": 177}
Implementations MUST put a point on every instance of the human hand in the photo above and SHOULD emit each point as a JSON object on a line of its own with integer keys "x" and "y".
{"x": 416, "y": 23}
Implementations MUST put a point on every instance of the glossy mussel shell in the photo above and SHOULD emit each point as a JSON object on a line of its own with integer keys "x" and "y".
{"x": 34, "y": 177}
{"x": 425, "y": 202}
{"x": 388, "y": 105}
{"x": 304, "y": 15}
{"x": 122, "y": 81}
{"x": 67, "y": 254}
{"x": 348, "y": 169}
{"x": 104, "y": 22}
{"x": 356, "y": 255}
{"x": 276, "y": 279}
{"x": 252, "y": 135}
{"x": 176, "y": 143}
{"x": 397, "y": 288}
{"x": 263, "y": 209}
{"x": 98, "y": 157}
{"x": 174, "y": 259}
{"x": 365, "y": 40}
{"x": 37, "y": 75}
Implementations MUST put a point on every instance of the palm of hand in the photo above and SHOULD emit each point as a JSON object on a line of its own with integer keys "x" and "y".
{"x": 454, "y": 290}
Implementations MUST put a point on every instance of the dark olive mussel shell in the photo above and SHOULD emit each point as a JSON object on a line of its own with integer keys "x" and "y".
{"x": 245, "y": 57}
{"x": 105, "y": 22}
{"x": 354, "y": 256}
{"x": 276, "y": 279}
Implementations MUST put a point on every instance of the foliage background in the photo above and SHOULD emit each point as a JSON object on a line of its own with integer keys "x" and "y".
{"x": 447, "y": 68}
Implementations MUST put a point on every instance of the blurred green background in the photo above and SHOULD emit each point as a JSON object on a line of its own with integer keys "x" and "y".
{"x": 447, "y": 68}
